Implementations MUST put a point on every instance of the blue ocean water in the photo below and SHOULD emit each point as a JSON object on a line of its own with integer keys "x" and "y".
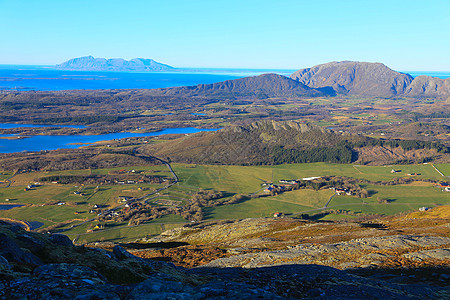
{"x": 47, "y": 79}
{"x": 442, "y": 75}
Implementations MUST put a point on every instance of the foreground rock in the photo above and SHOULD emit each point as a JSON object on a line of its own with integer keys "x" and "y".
{"x": 365, "y": 252}
{"x": 74, "y": 272}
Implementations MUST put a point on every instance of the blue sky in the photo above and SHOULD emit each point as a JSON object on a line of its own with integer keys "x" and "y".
{"x": 405, "y": 35}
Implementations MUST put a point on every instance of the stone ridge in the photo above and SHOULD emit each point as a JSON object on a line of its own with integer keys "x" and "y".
{"x": 89, "y": 63}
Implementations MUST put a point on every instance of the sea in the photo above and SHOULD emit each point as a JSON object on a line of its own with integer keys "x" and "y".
{"x": 46, "y": 78}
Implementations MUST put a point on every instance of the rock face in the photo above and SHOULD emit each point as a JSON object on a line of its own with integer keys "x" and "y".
{"x": 262, "y": 86}
{"x": 89, "y": 63}
{"x": 355, "y": 78}
{"x": 426, "y": 86}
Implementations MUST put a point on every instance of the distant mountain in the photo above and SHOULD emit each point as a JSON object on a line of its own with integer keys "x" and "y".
{"x": 89, "y": 63}
{"x": 262, "y": 86}
{"x": 355, "y": 78}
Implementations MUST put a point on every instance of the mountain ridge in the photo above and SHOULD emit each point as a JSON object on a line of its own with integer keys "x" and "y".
{"x": 371, "y": 79}
{"x": 261, "y": 86}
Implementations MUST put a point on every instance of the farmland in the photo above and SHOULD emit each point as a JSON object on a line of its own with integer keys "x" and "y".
{"x": 64, "y": 205}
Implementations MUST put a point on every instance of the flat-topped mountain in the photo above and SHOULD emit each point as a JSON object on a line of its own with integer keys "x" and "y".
{"x": 355, "y": 78}
{"x": 89, "y": 63}
{"x": 262, "y": 86}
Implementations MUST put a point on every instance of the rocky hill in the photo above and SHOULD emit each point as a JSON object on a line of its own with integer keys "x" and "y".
{"x": 426, "y": 86}
{"x": 371, "y": 79}
{"x": 276, "y": 142}
{"x": 355, "y": 78}
{"x": 262, "y": 142}
{"x": 263, "y": 86}
{"x": 89, "y": 63}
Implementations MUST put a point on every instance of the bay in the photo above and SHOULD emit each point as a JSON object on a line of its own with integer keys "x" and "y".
{"x": 10, "y": 143}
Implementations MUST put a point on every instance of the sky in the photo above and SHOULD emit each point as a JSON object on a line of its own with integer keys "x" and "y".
{"x": 283, "y": 34}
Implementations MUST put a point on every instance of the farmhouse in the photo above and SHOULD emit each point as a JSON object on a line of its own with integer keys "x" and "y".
{"x": 124, "y": 199}
{"x": 342, "y": 191}
{"x": 269, "y": 189}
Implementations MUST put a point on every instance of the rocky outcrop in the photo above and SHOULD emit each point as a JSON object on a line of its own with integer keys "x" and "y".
{"x": 74, "y": 272}
{"x": 363, "y": 252}
{"x": 89, "y": 63}
{"x": 355, "y": 78}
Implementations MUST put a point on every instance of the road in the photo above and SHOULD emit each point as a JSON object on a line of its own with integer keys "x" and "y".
{"x": 176, "y": 180}
{"x": 329, "y": 200}
{"x": 9, "y": 180}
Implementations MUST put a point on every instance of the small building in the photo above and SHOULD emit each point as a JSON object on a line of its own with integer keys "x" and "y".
{"x": 277, "y": 215}
{"x": 342, "y": 191}
{"x": 269, "y": 189}
{"x": 395, "y": 171}
{"x": 124, "y": 199}
{"x": 447, "y": 189}
{"x": 311, "y": 178}
{"x": 424, "y": 208}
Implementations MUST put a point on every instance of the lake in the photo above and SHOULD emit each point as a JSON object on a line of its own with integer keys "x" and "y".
{"x": 9, "y": 206}
{"x": 53, "y": 142}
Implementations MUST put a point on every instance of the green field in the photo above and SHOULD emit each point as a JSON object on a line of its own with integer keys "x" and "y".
{"x": 228, "y": 179}
{"x": 287, "y": 203}
{"x": 129, "y": 233}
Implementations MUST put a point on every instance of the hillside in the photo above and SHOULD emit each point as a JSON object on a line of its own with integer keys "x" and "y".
{"x": 89, "y": 63}
{"x": 355, "y": 78}
{"x": 276, "y": 142}
{"x": 263, "y": 86}
{"x": 262, "y": 142}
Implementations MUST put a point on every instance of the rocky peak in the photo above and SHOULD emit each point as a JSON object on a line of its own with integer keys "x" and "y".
{"x": 355, "y": 78}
